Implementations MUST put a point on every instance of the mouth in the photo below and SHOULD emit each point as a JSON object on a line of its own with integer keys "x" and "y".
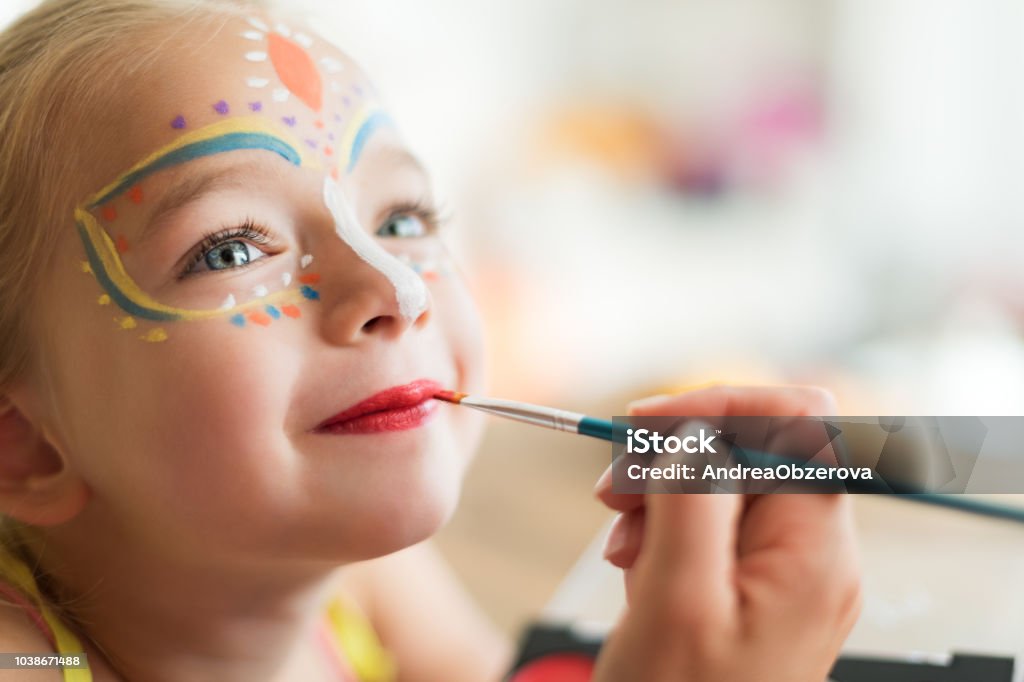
{"x": 394, "y": 409}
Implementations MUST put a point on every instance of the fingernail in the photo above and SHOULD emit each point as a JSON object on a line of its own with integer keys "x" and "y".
{"x": 605, "y": 479}
{"x": 645, "y": 404}
{"x": 616, "y": 540}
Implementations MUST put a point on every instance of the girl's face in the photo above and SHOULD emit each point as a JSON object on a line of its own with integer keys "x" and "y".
{"x": 256, "y": 258}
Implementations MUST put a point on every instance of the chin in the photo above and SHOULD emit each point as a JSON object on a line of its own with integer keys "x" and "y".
{"x": 403, "y": 514}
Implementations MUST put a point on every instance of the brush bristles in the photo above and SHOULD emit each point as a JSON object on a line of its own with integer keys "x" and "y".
{"x": 450, "y": 396}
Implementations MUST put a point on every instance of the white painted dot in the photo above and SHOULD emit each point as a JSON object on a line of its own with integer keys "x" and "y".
{"x": 258, "y": 24}
{"x": 260, "y": 291}
{"x": 280, "y": 95}
{"x": 254, "y": 35}
{"x": 304, "y": 40}
{"x": 229, "y": 302}
{"x": 286, "y": 278}
{"x": 257, "y": 82}
{"x": 256, "y": 56}
{"x": 283, "y": 30}
{"x": 332, "y": 65}
{"x": 306, "y": 261}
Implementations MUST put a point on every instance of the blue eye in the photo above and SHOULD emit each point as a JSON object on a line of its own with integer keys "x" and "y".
{"x": 229, "y": 255}
{"x": 402, "y": 226}
{"x": 229, "y": 249}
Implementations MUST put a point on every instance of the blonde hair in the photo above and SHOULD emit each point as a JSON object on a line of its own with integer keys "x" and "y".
{"x": 57, "y": 63}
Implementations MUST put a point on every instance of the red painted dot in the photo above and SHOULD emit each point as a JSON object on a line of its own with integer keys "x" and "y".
{"x": 122, "y": 244}
{"x": 557, "y": 668}
{"x": 291, "y": 311}
{"x": 312, "y": 278}
{"x": 109, "y": 213}
{"x": 135, "y": 194}
{"x": 296, "y": 70}
{"x": 261, "y": 319}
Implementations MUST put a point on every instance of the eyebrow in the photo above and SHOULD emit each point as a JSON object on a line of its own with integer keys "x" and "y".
{"x": 395, "y": 155}
{"x": 197, "y": 185}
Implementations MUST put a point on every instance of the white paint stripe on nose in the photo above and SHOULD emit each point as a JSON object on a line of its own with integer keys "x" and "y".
{"x": 410, "y": 291}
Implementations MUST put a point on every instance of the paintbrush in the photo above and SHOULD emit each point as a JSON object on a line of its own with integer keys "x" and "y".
{"x": 548, "y": 417}
{"x": 575, "y": 422}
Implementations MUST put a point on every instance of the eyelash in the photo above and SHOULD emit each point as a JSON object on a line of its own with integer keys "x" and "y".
{"x": 250, "y": 230}
{"x": 259, "y": 234}
{"x": 432, "y": 218}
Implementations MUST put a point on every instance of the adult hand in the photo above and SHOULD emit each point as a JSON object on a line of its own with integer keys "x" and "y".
{"x": 732, "y": 588}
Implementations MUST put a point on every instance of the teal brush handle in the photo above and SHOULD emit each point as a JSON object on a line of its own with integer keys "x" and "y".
{"x": 603, "y": 429}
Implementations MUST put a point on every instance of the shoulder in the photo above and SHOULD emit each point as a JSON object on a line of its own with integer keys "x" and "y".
{"x": 18, "y": 633}
{"x": 403, "y": 595}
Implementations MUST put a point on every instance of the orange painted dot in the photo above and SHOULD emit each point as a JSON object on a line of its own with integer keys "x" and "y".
{"x": 297, "y": 70}
{"x": 334, "y": 173}
{"x": 328, "y": 150}
{"x": 259, "y": 318}
{"x": 109, "y": 213}
{"x": 312, "y": 278}
{"x": 122, "y": 244}
{"x": 319, "y": 124}
{"x": 291, "y": 311}
{"x": 431, "y": 276}
{"x": 135, "y": 194}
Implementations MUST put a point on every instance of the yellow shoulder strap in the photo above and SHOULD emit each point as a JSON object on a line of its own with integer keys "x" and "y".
{"x": 364, "y": 652}
{"x": 15, "y": 571}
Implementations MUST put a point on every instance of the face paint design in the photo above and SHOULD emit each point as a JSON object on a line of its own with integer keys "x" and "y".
{"x": 295, "y": 78}
{"x": 431, "y": 270}
{"x": 410, "y": 292}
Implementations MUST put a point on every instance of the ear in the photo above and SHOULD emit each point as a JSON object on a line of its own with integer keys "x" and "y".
{"x": 36, "y": 485}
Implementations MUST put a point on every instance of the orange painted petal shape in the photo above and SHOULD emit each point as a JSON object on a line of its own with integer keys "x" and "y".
{"x": 297, "y": 70}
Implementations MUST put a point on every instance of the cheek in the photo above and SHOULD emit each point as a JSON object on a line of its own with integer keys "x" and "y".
{"x": 191, "y": 422}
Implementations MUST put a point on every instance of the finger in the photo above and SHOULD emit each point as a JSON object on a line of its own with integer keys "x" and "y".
{"x": 690, "y": 540}
{"x": 799, "y": 544}
{"x": 621, "y": 501}
{"x": 735, "y": 400}
{"x": 625, "y": 539}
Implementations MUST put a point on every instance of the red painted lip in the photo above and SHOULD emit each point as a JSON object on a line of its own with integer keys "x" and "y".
{"x": 393, "y": 409}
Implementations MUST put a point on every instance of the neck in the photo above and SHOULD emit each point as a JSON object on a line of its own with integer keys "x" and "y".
{"x": 156, "y": 618}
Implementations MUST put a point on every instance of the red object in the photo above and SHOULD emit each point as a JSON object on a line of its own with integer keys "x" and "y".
{"x": 557, "y": 668}
{"x": 394, "y": 409}
{"x": 296, "y": 70}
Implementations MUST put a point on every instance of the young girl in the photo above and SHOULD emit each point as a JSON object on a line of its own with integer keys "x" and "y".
{"x": 224, "y": 310}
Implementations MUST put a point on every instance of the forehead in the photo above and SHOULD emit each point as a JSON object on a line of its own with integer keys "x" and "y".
{"x": 278, "y": 75}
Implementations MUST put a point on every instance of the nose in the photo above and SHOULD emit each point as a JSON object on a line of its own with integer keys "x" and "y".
{"x": 370, "y": 292}
{"x": 361, "y": 304}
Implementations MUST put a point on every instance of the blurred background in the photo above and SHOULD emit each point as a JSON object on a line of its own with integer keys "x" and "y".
{"x": 648, "y": 195}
